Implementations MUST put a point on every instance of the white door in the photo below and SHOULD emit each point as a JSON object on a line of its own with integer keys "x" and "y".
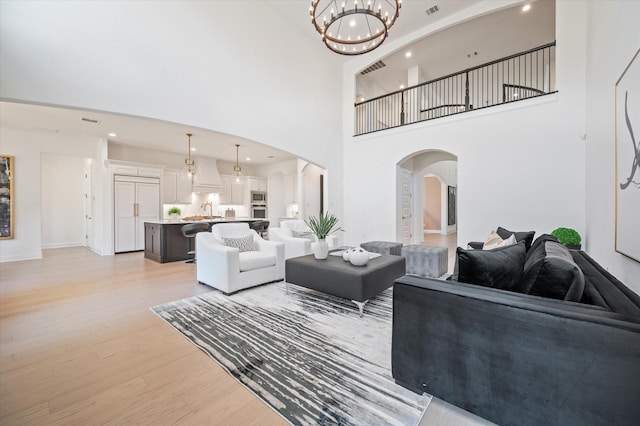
{"x": 88, "y": 208}
{"x": 407, "y": 206}
{"x": 147, "y": 209}
{"x": 125, "y": 216}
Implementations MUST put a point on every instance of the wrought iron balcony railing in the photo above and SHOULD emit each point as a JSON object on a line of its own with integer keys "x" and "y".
{"x": 513, "y": 78}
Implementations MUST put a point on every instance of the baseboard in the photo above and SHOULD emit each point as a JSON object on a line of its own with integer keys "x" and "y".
{"x": 63, "y": 245}
{"x": 19, "y": 257}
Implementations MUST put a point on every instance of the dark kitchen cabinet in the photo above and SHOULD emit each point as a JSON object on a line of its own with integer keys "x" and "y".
{"x": 165, "y": 242}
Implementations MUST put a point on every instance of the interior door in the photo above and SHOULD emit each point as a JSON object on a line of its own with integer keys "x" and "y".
{"x": 125, "y": 217}
{"x": 148, "y": 209}
{"x": 88, "y": 207}
{"x": 407, "y": 206}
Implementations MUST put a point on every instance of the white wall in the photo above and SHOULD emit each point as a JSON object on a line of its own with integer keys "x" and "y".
{"x": 511, "y": 172}
{"x": 62, "y": 201}
{"x": 235, "y": 67}
{"x": 27, "y": 147}
{"x": 612, "y": 40}
{"x": 512, "y": 159}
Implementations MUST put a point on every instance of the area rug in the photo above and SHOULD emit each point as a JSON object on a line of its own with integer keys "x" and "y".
{"x": 306, "y": 354}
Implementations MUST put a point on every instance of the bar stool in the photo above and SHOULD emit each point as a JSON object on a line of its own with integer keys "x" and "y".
{"x": 260, "y": 227}
{"x": 190, "y": 230}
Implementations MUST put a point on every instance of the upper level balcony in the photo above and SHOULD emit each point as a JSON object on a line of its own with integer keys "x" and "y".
{"x": 510, "y": 79}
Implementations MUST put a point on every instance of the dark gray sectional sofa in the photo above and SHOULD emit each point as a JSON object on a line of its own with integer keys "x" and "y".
{"x": 522, "y": 359}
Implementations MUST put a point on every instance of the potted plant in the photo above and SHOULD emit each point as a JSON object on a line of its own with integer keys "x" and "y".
{"x": 569, "y": 237}
{"x": 174, "y": 212}
{"x": 322, "y": 226}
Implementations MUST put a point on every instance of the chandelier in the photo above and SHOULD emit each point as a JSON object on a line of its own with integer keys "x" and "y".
{"x": 237, "y": 167}
{"x": 354, "y": 28}
{"x": 191, "y": 164}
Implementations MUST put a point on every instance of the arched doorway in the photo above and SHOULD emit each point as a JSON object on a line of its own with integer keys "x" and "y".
{"x": 427, "y": 191}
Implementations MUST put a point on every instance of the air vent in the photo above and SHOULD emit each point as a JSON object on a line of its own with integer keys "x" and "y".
{"x": 433, "y": 9}
{"x": 90, "y": 120}
{"x": 373, "y": 67}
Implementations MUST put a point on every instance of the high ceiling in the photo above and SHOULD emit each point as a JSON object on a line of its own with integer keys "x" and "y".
{"x": 491, "y": 36}
{"x": 463, "y": 46}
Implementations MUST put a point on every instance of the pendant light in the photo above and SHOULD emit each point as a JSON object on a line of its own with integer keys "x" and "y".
{"x": 191, "y": 164}
{"x": 354, "y": 28}
{"x": 237, "y": 167}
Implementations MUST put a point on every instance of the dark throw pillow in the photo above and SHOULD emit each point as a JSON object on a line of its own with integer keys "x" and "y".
{"x": 550, "y": 271}
{"x": 498, "y": 268}
{"x": 526, "y": 236}
{"x": 540, "y": 240}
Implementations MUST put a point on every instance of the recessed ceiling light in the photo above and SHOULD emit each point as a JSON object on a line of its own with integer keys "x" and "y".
{"x": 193, "y": 149}
{"x": 407, "y": 55}
{"x": 352, "y": 23}
{"x": 526, "y": 7}
{"x": 112, "y": 135}
{"x": 361, "y": 99}
{"x": 402, "y": 86}
{"x": 248, "y": 158}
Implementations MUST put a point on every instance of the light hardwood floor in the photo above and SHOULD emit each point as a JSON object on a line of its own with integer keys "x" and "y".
{"x": 79, "y": 345}
{"x": 449, "y": 241}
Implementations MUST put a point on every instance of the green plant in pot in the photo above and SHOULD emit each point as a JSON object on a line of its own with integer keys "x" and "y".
{"x": 322, "y": 226}
{"x": 569, "y": 237}
{"x": 174, "y": 212}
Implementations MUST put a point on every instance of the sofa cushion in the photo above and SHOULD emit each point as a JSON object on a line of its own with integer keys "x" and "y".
{"x": 303, "y": 234}
{"x": 494, "y": 241}
{"x": 252, "y": 260}
{"x": 498, "y": 268}
{"x": 526, "y": 236}
{"x": 244, "y": 243}
{"x": 540, "y": 240}
{"x": 550, "y": 271}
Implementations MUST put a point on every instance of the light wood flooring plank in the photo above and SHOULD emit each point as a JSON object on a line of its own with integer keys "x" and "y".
{"x": 79, "y": 345}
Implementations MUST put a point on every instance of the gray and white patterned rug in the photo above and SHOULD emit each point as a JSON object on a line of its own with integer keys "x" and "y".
{"x": 306, "y": 354}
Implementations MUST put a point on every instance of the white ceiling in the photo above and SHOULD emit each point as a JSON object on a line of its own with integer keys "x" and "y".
{"x": 457, "y": 48}
{"x": 492, "y": 36}
{"x": 136, "y": 131}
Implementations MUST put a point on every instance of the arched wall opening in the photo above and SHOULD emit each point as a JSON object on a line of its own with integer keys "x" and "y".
{"x": 427, "y": 190}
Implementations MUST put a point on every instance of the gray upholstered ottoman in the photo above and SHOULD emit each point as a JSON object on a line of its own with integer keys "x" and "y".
{"x": 383, "y": 247}
{"x": 426, "y": 261}
{"x": 339, "y": 278}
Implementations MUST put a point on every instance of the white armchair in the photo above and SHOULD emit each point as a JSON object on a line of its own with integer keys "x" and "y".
{"x": 295, "y": 246}
{"x": 229, "y": 269}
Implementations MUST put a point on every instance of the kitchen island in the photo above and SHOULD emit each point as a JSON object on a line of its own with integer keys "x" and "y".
{"x": 164, "y": 242}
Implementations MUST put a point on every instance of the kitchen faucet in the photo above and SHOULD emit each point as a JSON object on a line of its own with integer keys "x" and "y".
{"x": 204, "y": 206}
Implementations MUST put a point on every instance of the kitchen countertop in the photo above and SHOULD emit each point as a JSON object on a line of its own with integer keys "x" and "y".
{"x": 183, "y": 222}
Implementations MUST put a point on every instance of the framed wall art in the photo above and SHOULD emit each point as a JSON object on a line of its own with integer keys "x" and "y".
{"x": 451, "y": 207}
{"x": 627, "y": 157}
{"x": 6, "y": 197}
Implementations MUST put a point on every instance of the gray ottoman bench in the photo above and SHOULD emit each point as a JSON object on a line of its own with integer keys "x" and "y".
{"x": 383, "y": 247}
{"x": 426, "y": 261}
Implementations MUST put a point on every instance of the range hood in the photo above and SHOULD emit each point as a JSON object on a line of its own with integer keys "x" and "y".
{"x": 207, "y": 178}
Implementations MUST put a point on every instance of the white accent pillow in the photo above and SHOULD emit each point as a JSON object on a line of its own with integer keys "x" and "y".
{"x": 303, "y": 234}
{"x": 241, "y": 243}
{"x": 494, "y": 241}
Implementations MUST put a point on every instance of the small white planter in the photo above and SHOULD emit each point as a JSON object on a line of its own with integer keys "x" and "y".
{"x": 320, "y": 249}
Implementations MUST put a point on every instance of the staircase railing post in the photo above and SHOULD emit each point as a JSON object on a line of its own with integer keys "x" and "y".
{"x": 466, "y": 91}
{"x": 402, "y": 108}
